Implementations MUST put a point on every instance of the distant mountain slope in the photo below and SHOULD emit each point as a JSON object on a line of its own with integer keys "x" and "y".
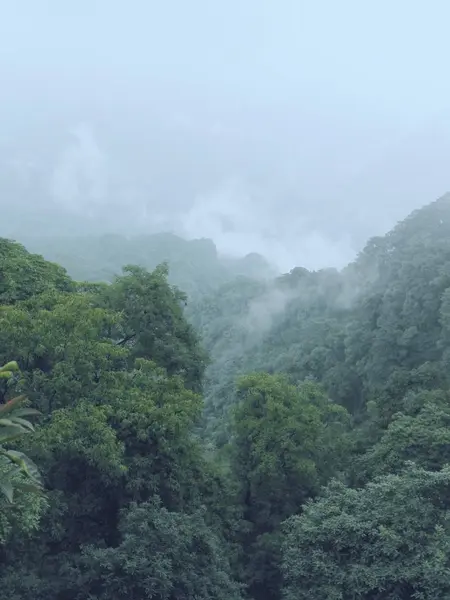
{"x": 387, "y": 312}
{"x": 194, "y": 266}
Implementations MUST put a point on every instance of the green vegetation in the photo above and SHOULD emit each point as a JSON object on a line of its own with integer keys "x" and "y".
{"x": 20, "y": 480}
{"x": 258, "y": 438}
{"x": 195, "y": 266}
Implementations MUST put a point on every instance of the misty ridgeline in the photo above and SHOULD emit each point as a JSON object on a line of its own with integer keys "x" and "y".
{"x": 179, "y": 424}
{"x": 224, "y": 344}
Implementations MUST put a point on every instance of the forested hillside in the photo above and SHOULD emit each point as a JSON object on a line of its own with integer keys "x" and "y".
{"x": 194, "y": 265}
{"x": 354, "y": 331}
{"x": 269, "y": 439}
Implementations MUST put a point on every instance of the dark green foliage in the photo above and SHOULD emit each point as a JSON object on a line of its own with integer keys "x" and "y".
{"x": 389, "y": 540}
{"x": 317, "y": 465}
{"x": 162, "y": 555}
{"x": 23, "y": 275}
{"x": 351, "y": 331}
{"x": 118, "y": 432}
{"x": 153, "y": 324}
{"x": 21, "y": 499}
{"x": 281, "y": 439}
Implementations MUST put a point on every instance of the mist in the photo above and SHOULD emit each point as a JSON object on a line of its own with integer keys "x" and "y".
{"x": 293, "y": 129}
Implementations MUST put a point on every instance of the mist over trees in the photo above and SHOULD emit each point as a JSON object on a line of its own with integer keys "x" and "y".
{"x": 251, "y": 436}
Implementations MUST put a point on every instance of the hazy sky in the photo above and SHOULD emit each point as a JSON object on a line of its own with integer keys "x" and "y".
{"x": 293, "y": 128}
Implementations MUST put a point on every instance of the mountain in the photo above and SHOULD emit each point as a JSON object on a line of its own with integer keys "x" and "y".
{"x": 351, "y": 330}
{"x": 195, "y": 266}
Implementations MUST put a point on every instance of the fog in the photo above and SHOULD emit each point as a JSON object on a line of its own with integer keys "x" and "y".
{"x": 290, "y": 128}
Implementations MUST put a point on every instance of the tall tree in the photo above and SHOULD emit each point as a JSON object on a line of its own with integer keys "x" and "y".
{"x": 388, "y": 540}
{"x": 280, "y": 431}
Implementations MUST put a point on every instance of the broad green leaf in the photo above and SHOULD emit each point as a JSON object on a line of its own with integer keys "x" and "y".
{"x": 11, "y": 366}
{"x": 8, "y": 434}
{"x": 26, "y": 412}
{"x": 6, "y": 488}
{"x": 11, "y": 405}
{"x": 23, "y": 423}
{"x": 26, "y": 464}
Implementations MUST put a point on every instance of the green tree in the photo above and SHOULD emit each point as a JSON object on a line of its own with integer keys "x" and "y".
{"x": 153, "y": 325}
{"x": 162, "y": 554}
{"x": 63, "y": 346}
{"x": 419, "y": 434}
{"x": 24, "y": 275}
{"x": 280, "y": 434}
{"x": 388, "y": 540}
{"x": 13, "y": 425}
{"x": 20, "y": 480}
{"x": 98, "y": 456}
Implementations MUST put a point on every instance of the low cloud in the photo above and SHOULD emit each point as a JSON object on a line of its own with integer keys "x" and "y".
{"x": 241, "y": 220}
{"x": 80, "y": 179}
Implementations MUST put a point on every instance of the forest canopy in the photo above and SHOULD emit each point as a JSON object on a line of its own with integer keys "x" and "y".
{"x": 249, "y": 436}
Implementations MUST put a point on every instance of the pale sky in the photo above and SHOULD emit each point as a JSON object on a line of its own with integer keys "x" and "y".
{"x": 331, "y": 119}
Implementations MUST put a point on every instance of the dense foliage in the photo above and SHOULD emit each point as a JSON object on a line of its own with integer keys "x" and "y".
{"x": 273, "y": 439}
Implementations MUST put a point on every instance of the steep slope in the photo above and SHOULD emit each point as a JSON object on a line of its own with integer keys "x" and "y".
{"x": 352, "y": 330}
